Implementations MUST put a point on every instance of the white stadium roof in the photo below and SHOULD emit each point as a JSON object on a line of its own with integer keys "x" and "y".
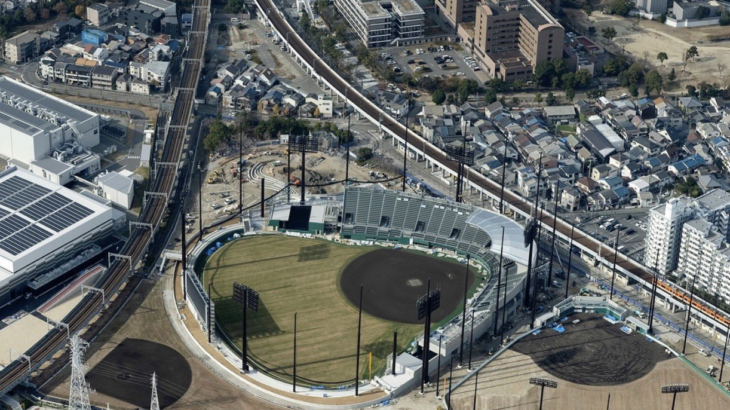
{"x": 38, "y": 217}
{"x": 514, "y": 237}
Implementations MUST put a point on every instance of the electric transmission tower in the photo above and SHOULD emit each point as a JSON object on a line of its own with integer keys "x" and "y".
{"x": 155, "y": 400}
{"x": 79, "y": 397}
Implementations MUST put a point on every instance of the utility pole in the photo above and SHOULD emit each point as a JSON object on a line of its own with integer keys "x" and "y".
{"x": 615, "y": 255}
{"x": 689, "y": 313}
{"x": 570, "y": 260}
{"x": 79, "y": 396}
{"x": 499, "y": 285}
{"x": 552, "y": 243}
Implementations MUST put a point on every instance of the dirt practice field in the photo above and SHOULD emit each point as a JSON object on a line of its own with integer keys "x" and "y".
{"x": 302, "y": 276}
{"x": 393, "y": 281}
{"x": 590, "y": 354}
{"x": 126, "y": 373}
{"x": 593, "y": 352}
{"x": 651, "y": 37}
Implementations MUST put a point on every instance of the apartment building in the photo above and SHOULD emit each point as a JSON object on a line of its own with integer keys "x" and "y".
{"x": 23, "y": 47}
{"x": 98, "y": 14}
{"x": 666, "y": 222}
{"x": 511, "y": 37}
{"x": 380, "y": 24}
{"x": 704, "y": 257}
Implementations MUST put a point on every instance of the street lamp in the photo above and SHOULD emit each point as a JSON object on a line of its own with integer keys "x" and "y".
{"x": 673, "y": 389}
{"x": 539, "y": 381}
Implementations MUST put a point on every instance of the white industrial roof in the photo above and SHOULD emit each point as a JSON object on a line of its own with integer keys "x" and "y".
{"x": 29, "y": 95}
{"x": 38, "y": 217}
{"x": 514, "y": 237}
{"x": 117, "y": 182}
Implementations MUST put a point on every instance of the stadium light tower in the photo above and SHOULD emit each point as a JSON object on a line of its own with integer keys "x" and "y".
{"x": 552, "y": 243}
{"x": 303, "y": 144}
{"x": 570, "y": 260}
{"x": 249, "y": 299}
{"x": 724, "y": 350}
{"x": 499, "y": 285}
{"x": 533, "y": 305}
{"x": 689, "y": 313}
{"x": 615, "y": 256}
{"x": 426, "y": 305}
{"x": 463, "y": 311}
{"x": 673, "y": 389}
{"x": 539, "y": 381}
{"x": 462, "y": 156}
{"x": 155, "y": 402}
{"x": 530, "y": 235}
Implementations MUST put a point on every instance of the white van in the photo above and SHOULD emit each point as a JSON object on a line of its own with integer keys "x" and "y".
{"x": 235, "y": 20}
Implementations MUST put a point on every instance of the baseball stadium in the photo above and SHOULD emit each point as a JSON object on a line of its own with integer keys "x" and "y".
{"x": 315, "y": 265}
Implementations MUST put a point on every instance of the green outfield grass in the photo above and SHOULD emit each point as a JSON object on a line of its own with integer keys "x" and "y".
{"x": 299, "y": 275}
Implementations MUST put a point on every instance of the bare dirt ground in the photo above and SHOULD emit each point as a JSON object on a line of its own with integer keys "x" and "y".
{"x": 651, "y": 37}
{"x": 504, "y": 384}
{"x": 144, "y": 318}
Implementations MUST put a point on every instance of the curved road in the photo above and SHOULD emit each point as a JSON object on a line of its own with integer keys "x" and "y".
{"x": 474, "y": 179}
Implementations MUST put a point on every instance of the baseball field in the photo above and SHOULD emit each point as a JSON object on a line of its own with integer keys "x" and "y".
{"x": 302, "y": 276}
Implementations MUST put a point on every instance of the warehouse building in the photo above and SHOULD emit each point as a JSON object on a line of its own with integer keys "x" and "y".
{"x": 46, "y": 134}
{"x": 42, "y": 226}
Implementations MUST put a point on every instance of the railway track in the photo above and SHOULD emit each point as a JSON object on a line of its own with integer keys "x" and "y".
{"x": 152, "y": 213}
{"x": 581, "y": 239}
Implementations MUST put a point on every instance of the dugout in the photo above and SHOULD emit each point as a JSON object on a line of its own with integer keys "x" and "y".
{"x": 313, "y": 219}
{"x": 590, "y": 304}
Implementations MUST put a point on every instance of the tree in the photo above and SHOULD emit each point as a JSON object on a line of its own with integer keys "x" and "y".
{"x": 222, "y": 27}
{"x": 550, "y": 100}
{"x": 662, "y": 18}
{"x": 591, "y": 31}
{"x": 672, "y": 75}
{"x": 490, "y": 96}
{"x": 518, "y": 85}
{"x": 725, "y": 18}
{"x": 569, "y": 94}
{"x": 438, "y": 97}
{"x": 29, "y": 14}
{"x": 218, "y": 133}
{"x": 583, "y": 78}
{"x": 364, "y": 155}
{"x": 544, "y": 73}
{"x": 515, "y": 101}
{"x": 60, "y": 8}
{"x": 568, "y": 80}
{"x": 538, "y": 97}
{"x": 692, "y": 52}
{"x": 79, "y": 11}
{"x": 620, "y": 7}
{"x": 662, "y": 57}
{"x": 702, "y": 12}
{"x": 634, "y": 90}
{"x": 45, "y": 14}
{"x": 588, "y": 9}
{"x": 691, "y": 90}
{"x": 609, "y": 33}
{"x": 654, "y": 82}
{"x": 615, "y": 66}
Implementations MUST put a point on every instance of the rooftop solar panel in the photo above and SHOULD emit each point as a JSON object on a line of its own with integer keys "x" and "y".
{"x": 45, "y": 206}
{"x": 11, "y": 186}
{"x": 11, "y": 225}
{"x": 25, "y": 239}
{"x": 25, "y": 197}
{"x": 66, "y": 217}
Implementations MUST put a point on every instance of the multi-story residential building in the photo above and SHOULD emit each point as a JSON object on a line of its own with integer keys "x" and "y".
{"x": 78, "y": 75}
{"x": 653, "y": 7}
{"x": 378, "y": 24}
{"x": 98, "y": 14}
{"x": 23, "y": 47}
{"x": 144, "y": 18}
{"x": 154, "y": 72}
{"x": 456, "y": 12}
{"x": 664, "y": 230}
{"x": 512, "y": 37}
{"x": 704, "y": 257}
{"x": 103, "y": 77}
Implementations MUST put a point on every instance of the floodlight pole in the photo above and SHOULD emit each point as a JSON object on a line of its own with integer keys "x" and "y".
{"x": 471, "y": 339}
{"x": 570, "y": 260}
{"x": 200, "y": 204}
{"x": 499, "y": 285}
{"x": 347, "y": 137}
{"x": 615, "y": 256}
{"x": 244, "y": 347}
{"x": 504, "y": 171}
{"x": 537, "y": 274}
{"x": 426, "y": 336}
{"x": 724, "y": 350}
{"x": 263, "y": 198}
{"x": 438, "y": 367}
{"x": 451, "y": 375}
{"x": 653, "y": 294}
{"x": 304, "y": 166}
{"x": 529, "y": 261}
{"x": 184, "y": 252}
{"x": 542, "y": 394}
{"x": 294, "y": 373}
{"x": 395, "y": 347}
{"x": 240, "y": 174}
{"x": 552, "y": 243}
{"x": 504, "y": 300}
{"x": 210, "y": 305}
{"x": 463, "y": 312}
{"x": 405, "y": 152}
{"x": 476, "y": 384}
{"x": 608, "y": 403}
{"x": 689, "y": 313}
{"x": 357, "y": 364}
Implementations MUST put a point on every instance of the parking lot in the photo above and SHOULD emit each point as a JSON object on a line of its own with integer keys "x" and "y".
{"x": 433, "y": 61}
{"x": 631, "y": 223}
